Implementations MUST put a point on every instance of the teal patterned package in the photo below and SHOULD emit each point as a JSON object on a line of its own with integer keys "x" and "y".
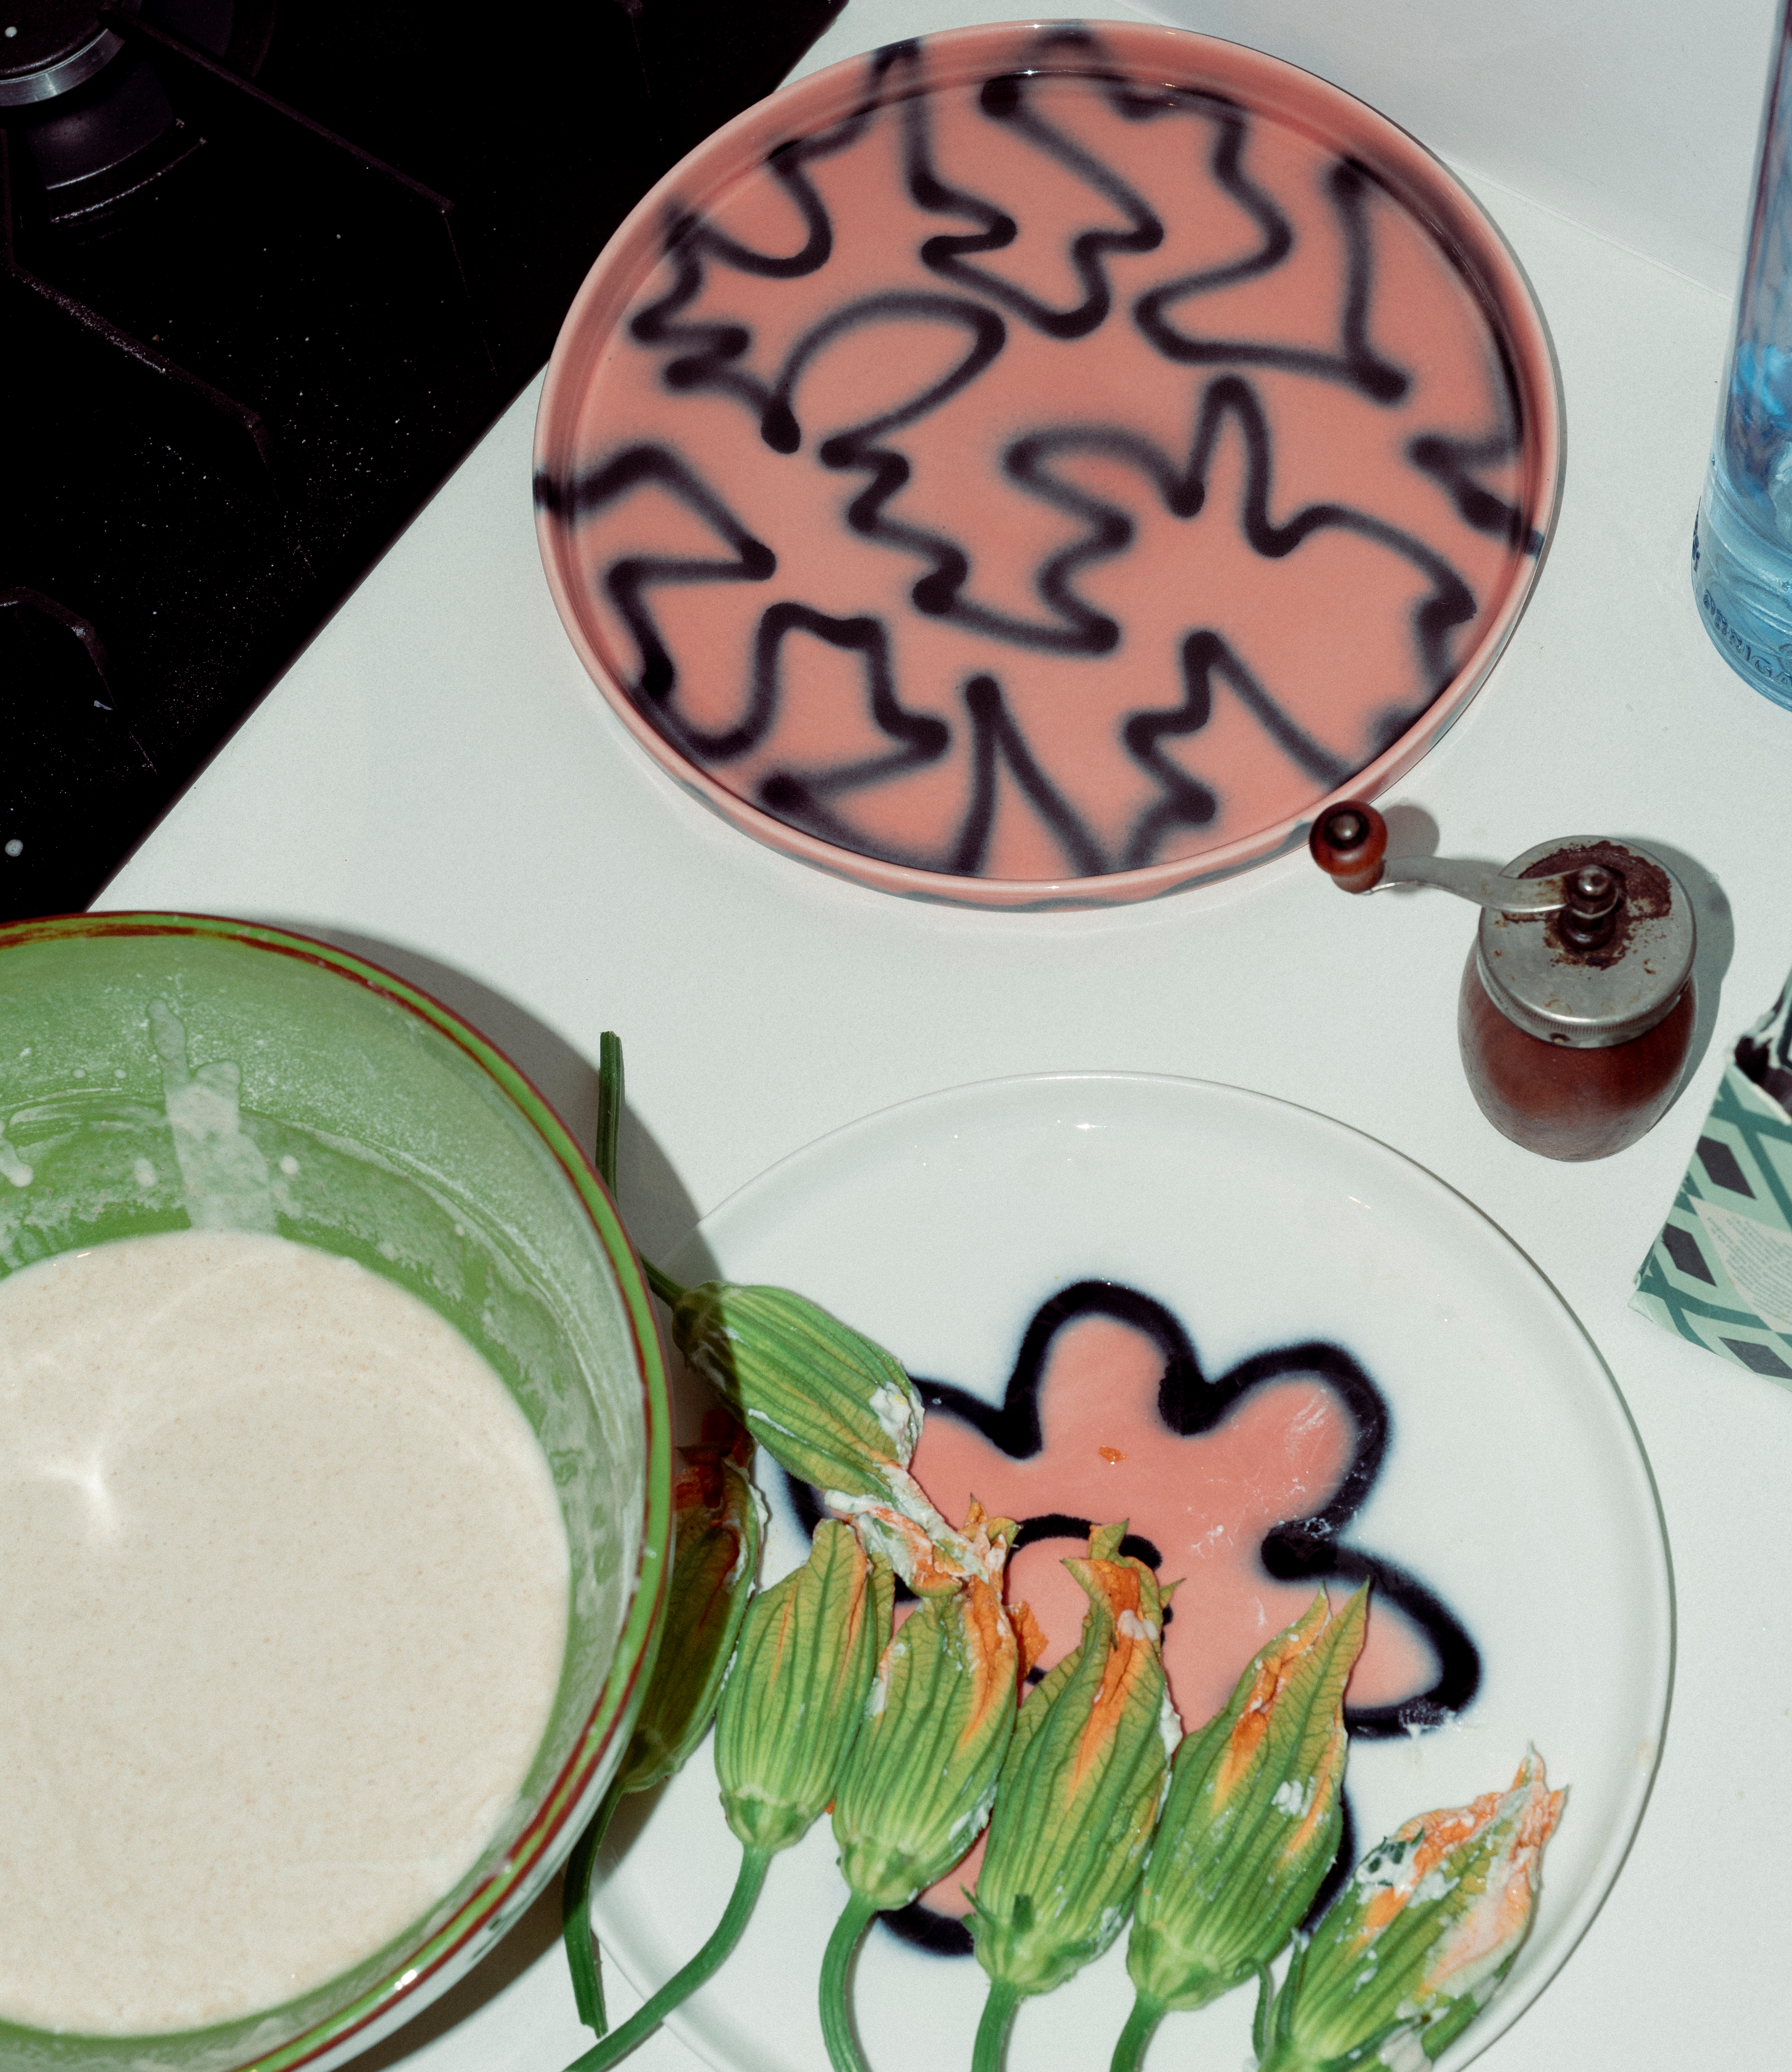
{"x": 1721, "y": 1272}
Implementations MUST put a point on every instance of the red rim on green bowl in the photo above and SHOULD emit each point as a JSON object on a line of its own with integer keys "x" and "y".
{"x": 1041, "y": 464}
{"x": 380, "y": 1077}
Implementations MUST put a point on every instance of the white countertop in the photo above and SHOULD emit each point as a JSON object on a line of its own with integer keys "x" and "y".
{"x": 436, "y": 781}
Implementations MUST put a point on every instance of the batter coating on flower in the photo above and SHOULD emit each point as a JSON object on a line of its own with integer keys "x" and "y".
{"x": 1419, "y": 1939}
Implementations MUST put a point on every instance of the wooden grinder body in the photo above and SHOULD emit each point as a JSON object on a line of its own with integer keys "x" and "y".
{"x": 1565, "y": 1103}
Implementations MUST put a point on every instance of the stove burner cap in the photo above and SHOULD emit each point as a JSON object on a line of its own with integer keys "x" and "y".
{"x": 49, "y": 46}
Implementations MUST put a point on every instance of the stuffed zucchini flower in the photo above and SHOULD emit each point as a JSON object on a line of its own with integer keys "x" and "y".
{"x": 1250, "y": 1825}
{"x": 1414, "y": 1945}
{"x": 1078, "y": 1797}
{"x": 787, "y": 1717}
{"x": 922, "y": 1777}
{"x": 835, "y": 1410}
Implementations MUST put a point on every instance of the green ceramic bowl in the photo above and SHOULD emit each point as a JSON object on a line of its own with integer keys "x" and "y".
{"x": 414, "y": 1146}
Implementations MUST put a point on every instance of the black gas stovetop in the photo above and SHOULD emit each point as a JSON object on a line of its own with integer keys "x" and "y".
{"x": 268, "y": 269}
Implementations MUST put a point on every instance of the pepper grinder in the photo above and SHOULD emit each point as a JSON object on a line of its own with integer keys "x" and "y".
{"x": 1577, "y": 1006}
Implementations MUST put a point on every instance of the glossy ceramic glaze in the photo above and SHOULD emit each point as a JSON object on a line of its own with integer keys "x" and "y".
{"x": 1287, "y": 1357}
{"x": 1039, "y": 464}
{"x": 163, "y": 1072}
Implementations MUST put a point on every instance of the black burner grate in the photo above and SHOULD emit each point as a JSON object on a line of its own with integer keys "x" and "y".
{"x": 248, "y": 367}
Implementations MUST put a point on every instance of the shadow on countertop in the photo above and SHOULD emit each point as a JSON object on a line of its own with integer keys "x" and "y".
{"x": 656, "y": 1207}
{"x": 1714, "y": 949}
{"x": 534, "y": 1937}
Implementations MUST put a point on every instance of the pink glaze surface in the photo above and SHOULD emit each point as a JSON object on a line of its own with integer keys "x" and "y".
{"x": 1205, "y": 1502}
{"x": 1202, "y": 1502}
{"x": 1044, "y": 462}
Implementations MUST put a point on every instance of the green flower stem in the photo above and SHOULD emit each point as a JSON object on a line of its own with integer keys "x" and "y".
{"x": 998, "y": 2018}
{"x": 754, "y": 1863}
{"x": 663, "y": 1284}
{"x": 837, "y": 2019}
{"x": 610, "y": 1121}
{"x": 1269, "y": 2028}
{"x": 609, "y": 1105}
{"x": 1141, "y": 2024}
{"x": 575, "y": 1915}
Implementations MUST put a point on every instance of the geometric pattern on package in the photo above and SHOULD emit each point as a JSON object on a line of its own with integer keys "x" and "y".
{"x": 1720, "y": 1272}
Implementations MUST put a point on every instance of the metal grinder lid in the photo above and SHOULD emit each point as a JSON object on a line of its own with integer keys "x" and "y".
{"x": 1590, "y": 1000}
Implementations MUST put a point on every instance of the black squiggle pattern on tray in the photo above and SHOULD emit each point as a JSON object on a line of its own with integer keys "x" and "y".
{"x": 856, "y": 447}
{"x": 802, "y": 797}
{"x": 1356, "y": 361}
{"x": 1183, "y": 490}
{"x": 1005, "y": 100}
{"x": 924, "y": 737}
{"x": 1452, "y": 461}
{"x": 1187, "y": 802}
{"x": 998, "y": 745}
{"x": 981, "y": 731}
{"x": 996, "y": 740}
{"x": 706, "y": 351}
{"x": 626, "y": 579}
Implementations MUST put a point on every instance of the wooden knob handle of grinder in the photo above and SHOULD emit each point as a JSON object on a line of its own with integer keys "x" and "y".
{"x": 1348, "y": 843}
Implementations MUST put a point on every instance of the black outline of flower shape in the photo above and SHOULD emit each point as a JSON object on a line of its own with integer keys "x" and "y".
{"x": 1297, "y": 1550}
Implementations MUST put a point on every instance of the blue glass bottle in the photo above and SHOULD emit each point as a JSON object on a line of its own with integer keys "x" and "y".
{"x": 1742, "y": 538}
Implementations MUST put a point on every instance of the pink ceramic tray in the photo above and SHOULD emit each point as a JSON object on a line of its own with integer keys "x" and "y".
{"x": 1039, "y": 464}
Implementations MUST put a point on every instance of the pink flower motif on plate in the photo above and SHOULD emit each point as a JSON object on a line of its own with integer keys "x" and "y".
{"x": 1241, "y": 1484}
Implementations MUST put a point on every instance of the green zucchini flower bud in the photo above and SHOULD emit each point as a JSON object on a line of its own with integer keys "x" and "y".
{"x": 717, "y": 1521}
{"x": 790, "y": 1710}
{"x": 835, "y": 1409}
{"x": 1414, "y": 1946}
{"x": 1079, "y": 1795}
{"x": 922, "y": 1777}
{"x": 824, "y": 1400}
{"x": 787, "y": 1718}
{"x": 1250, "y": 1824}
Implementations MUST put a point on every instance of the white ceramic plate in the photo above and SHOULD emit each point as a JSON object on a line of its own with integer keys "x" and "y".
{"x": 1512, "y": 1489}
